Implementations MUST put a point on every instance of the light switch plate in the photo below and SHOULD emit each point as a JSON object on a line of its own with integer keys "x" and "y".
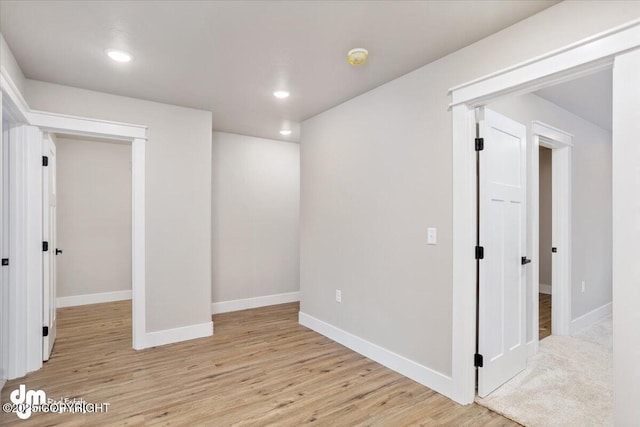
{"x": 432, "y": 236}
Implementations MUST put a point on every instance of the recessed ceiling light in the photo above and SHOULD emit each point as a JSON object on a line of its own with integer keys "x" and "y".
{"x": 281, "y": 94}
{"x": 119, "y": 55}
{"x": 285, "y": 132}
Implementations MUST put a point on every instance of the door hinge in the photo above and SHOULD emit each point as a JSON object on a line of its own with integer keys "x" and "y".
{"x": 479, "y": 144}
{"x": 477, "y": 360}
{"x": 45, "y": 161}
{"x": 45, "y": 331}
{"x": 479, "y": 252}
{"x": 45, "y": 246}
{"x": 5, "y": 261}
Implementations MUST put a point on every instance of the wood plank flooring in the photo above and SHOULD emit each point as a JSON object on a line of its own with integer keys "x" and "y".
{"x": 261, "y": 368}
{"x": 544, "y": 311}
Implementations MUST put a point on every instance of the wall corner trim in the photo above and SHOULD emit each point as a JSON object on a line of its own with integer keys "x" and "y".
{"x": 185, "y": 333}
{"x": 247, "y": 303}
{"x": 426, "y": 376}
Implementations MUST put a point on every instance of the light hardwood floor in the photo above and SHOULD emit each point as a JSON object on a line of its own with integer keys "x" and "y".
{"x": 261, "y": 368}
{"x": 544, "y": 311}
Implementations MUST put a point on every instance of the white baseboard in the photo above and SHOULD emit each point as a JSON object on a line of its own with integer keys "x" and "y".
{"x": 92, "y": 298}
{"x": 544, "y": 289}
{"x": 590, "y": 318}
{"x": 247, "y": 303}
{"x": 419, "y": 373}
{"x": 185, "y": 333}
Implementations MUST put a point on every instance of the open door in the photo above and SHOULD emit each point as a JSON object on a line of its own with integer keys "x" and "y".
{"x": 49, "y": 233}
{"x": 501, "y": 251}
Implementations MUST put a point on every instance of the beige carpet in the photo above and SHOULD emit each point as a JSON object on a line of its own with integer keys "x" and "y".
{"x": 568, "y": 383}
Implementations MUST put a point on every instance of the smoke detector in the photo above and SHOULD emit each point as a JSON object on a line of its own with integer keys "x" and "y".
{"x": 357, "y": 56}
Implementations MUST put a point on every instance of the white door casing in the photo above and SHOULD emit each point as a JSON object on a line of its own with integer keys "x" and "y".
{"x": 585, "y": 56}
{"x": 561, "y": 143}
{"x": 502, "y": 235}
{"x": 49, "y": 235}
{"x": 24, "y": 305}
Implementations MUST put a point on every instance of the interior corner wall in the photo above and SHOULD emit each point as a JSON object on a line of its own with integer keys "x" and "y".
{"x": 94, "y": 216}
{"x": 591, "y": 240}
{"x": 255, "y": 217}
{"x": 545, "y": 215}
{"x": 376, "y": 172}
{"x": 9, "y": 63}
{"x": 178, "y": 196}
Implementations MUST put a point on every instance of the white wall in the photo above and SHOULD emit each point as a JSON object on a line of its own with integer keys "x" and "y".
{"x": 94, "y": 216}
{"x": 255, "y": 211}
{"x": 626, "y": 238}
{"x": 178, "y": 196}
{"x": 376, "y": 171}
{"x": 591, "y": 197}
{"x": 545, "y": 215}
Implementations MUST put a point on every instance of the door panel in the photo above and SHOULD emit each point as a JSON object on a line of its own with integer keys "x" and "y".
{"x": 49, "y": 230}
{"x": 502, "y": 227}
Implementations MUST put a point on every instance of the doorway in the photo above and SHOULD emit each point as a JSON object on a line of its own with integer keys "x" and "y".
{"x": 509, "y": 233}
{"x": 590, "y": 55}
{"x": 579, "y": 243}
{"x": 550, "y": 232}
{"x": 90, "y": 248}
{"x": 544, "y": 254}
{"x": 94, "y": 211}
{"x": 21, "y": 296}
{"x": 582, "y": 185}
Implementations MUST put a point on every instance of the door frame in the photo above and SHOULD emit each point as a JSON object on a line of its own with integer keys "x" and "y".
{"x": 561, "y": 144}
{"x": 15, "y": 106}
{"x": 21, "y": 243}
{"x": 578, "y": 59}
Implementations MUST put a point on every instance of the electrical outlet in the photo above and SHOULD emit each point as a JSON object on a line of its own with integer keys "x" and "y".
{"x": 584, "y": 286}
{"x": 338, "y": 296}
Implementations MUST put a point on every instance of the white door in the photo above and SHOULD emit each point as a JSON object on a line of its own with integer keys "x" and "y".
{"x": 502, "y": 231}
{"x": 49, "y": 232}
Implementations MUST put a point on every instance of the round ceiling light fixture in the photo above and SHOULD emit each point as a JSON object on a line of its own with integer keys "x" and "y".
{"x": 119, "y": 55}
{"x": 285, "y": 132}
{"x": 281, "y": 94}
{"x": 357, "y": 56}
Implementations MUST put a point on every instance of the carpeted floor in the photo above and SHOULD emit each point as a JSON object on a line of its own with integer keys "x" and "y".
{"x": 568, "y": 383}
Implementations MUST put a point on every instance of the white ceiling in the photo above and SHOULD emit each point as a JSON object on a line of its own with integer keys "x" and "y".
{"x": 590, "y": 97}
{"x": 228, "y": 57}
